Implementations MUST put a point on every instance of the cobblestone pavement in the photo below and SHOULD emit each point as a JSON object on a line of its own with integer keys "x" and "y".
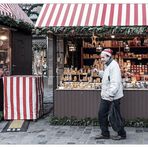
{"x": 41, "y": 132}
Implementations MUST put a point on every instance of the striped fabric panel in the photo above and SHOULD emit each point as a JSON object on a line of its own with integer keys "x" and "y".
{"x": 93, "y": 15}
{"x": 23, "y": 97}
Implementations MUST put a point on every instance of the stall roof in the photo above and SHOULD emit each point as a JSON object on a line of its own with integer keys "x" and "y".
{"x": 15, "y": 12}
{"x": 93, "y": 15}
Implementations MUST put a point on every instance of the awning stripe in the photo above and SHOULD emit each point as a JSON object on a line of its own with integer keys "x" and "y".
{"x": 136, "y": 14}
{"x": 127, "y": 14}
{"x": 93, "y": 15}
{"x": 103, "y": 15}
{"x": 44, "y": 14}
{"x": 88, "y": 14}
{"x": 144, "y": 14}
{"x": 111, "y": 15}
{"x": 99, "y": 15}
{"x": 73, "y": 14}
{"x": 77, "y": 15}
{"x": 80, "y": 16}
{"x": 132, "y": 14}
{"x": 96, "y": 14}
{"x": 58, "y": 15}
{"x": 119, "y": 15}
{"x": 51, "y": 15}
{"x": 65, "y": 16}
{"x": 84, "y": 15}
{"x": 107, "y": 16}
{"x": 140, "y": 17}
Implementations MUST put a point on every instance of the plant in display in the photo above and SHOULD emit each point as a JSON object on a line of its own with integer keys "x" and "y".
{"x": 72, "y": 121}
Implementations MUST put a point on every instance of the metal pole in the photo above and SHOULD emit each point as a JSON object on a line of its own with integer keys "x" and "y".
{"x": 54, "y": 67}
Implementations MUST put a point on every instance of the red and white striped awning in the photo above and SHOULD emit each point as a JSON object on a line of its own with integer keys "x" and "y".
{"x": 93, "y": 15}
{"x": 15, "y": 12}
{"x": 5, "y": 10}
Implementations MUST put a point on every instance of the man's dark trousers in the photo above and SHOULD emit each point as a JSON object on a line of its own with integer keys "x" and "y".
{"x": 103, "y": 117}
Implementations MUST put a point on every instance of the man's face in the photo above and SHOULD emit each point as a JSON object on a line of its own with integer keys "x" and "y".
{"x": 104, "y": 58}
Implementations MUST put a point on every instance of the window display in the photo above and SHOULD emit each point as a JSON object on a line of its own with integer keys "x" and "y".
{"x": 133, "y": 64}
{"x": 5, "y": 50}
{"x": 39, "y": 63}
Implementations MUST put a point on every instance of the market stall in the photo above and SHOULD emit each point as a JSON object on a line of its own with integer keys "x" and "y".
{"x": 16, "y": 59}
{"x": 85, "y": 30}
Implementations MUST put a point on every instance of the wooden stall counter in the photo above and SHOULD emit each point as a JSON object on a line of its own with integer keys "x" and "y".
{"x": 85, "y": 103}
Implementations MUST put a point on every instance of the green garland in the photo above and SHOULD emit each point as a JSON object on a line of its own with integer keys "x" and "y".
{"x": 139, "y": 122}
{"x": 100, "y": 31}
{"x": 18, "y": 24}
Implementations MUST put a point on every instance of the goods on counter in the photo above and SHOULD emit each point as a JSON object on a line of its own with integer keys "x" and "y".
{"x": 79, "y": 85}
{"x": 83, "y": 78}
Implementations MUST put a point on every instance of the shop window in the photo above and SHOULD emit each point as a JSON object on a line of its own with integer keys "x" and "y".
{"x": 5, "y": 50}
{"x": 39, "y": 62}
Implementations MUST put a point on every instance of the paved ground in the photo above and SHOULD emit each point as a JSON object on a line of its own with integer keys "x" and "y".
{"x": 41, "y": 132}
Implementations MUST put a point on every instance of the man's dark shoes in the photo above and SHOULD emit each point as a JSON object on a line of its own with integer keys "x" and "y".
{"x": 118, "y": 137}
{"x": 102, "y": 137}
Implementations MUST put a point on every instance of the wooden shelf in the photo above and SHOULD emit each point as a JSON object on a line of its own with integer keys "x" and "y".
{"x": 90, "y": 58}
{"x": 76, "y": 74}
{"x": 134, "y": 49}
{"x": 134, "y": 58}
{"x": 89, "y": 47}
{"x": 129, "y": 46}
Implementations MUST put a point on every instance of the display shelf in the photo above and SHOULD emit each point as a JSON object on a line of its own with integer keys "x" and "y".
{"x": 90, "y": 58}
{"x": 132, "y": 58}
{"x": 115, "y": 47}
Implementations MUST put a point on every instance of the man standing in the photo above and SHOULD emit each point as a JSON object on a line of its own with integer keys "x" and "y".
{"x": 112, "y": 90}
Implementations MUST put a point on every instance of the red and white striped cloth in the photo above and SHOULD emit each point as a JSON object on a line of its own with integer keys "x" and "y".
{"x": 93, "y": 15}
{"x": 23, "y": 97}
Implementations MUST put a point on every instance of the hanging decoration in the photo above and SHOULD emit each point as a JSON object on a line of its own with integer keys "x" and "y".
{"x": 72, "y": 47}
{"x": 66, "y": 57}
{"x": 94, "y": 40}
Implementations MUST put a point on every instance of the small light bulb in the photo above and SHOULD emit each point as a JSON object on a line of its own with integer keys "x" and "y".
{"x": 3, "y": 37}
{"x": 112, "y": 36}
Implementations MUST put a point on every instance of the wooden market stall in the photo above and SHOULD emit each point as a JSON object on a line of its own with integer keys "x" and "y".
{"x": 79, "y": 33}
{"x": 22, "y": 92}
